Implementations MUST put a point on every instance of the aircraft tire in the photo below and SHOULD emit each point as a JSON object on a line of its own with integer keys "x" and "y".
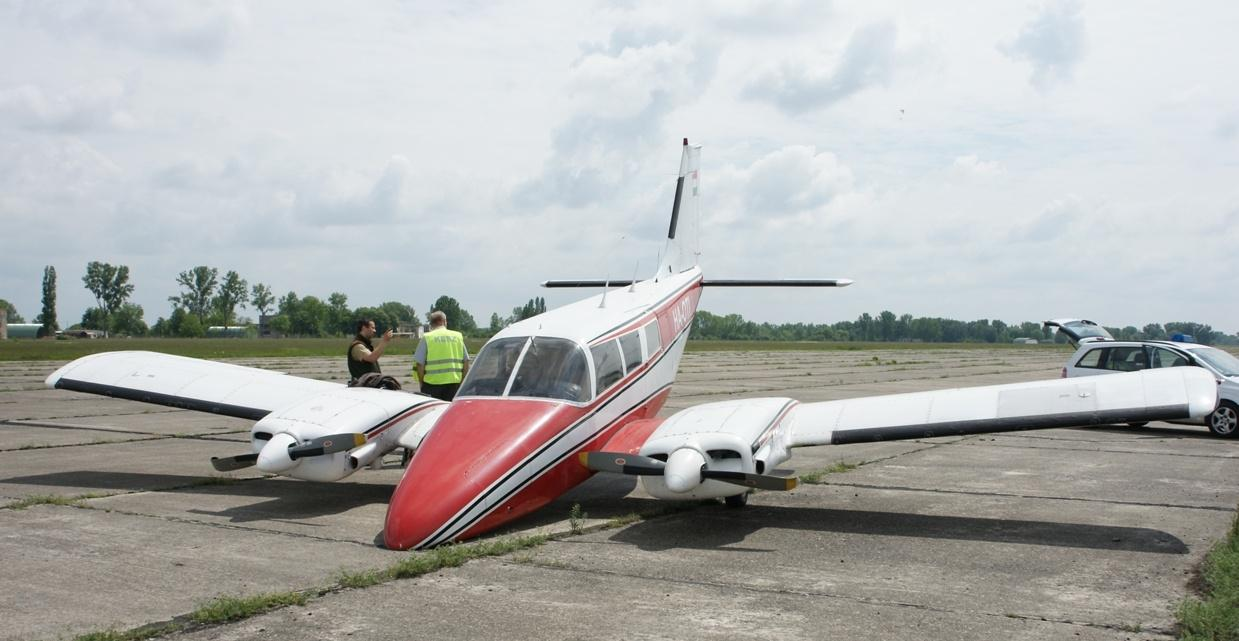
{"x": 736, "y": 501}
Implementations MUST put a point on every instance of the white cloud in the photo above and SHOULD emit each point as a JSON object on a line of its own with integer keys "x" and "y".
{"x": 971, "y": 165}
{"x": 199, "y": 29}
{"x": 408, "y": 151}
{"x": 99, "y": 105}
{"x": 800, "y": 85}
{"x": 1054, "y": 43}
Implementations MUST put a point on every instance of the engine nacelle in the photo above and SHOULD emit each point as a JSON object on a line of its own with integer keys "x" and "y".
{"x": 733, "y": 436}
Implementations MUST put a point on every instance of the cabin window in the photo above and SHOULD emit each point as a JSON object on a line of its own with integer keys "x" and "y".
{"x": 630, "y": 344}
{"x": 490, "y": 371}
{"x": 608, "y": 364}
{"x": 552, "y": 368}
{"x": 653, "y": 340}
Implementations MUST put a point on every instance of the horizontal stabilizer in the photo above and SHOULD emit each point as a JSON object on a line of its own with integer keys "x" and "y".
{"x": 233, "y": 463}
{"x": 553, "y": 284}
{"x": 777, "y": 282}
{"x": 717, "y": 282}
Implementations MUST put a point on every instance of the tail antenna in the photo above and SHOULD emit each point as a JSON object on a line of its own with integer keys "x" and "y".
{"x": 606, "y": 284}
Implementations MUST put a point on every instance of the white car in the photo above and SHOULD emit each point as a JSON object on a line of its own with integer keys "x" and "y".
{"x": 1098, "y": 353}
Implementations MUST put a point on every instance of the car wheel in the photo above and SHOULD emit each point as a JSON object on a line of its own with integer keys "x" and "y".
{"x": 736, "y": 500}
{"x": 1224, "y": 420}
{"x": 1138, "y": 424}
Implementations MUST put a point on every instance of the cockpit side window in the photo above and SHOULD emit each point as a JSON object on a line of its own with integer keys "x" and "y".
{"x": 608, "y": 364}
{"x": 552, "y": 368}
{"x": 630, "y": 344}
{"x": 653, "y": 341}
{"x": 490, "y": 371}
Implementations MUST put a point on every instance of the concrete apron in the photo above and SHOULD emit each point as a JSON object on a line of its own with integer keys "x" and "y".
{"x": 1063, "y": 533}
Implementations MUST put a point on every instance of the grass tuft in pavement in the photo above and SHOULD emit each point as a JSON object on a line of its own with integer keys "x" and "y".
{"x": 816, "y": 476}
{"x": 51, "y": 499}
{"x": 136, "y": 634}
{"x": 1215, "y": 617}
{"x": 230, "y": 608}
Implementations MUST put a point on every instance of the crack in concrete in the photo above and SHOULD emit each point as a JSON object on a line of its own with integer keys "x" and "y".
{"x": 1107, "y": 450}
{"x": 19, "y": 422}
{"x": 26, "y": 448}
{"x": 900, "y": 488}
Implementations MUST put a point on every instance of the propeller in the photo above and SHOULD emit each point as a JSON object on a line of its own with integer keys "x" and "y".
{"x": 231, "y": 463}
{"x": 329, "y": 444}
{"x": 635, "y": 464}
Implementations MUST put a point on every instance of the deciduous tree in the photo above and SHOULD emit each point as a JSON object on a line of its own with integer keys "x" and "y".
{"x": 110, "y": 285}
{"x": 261, "y": 298}
{"x": 199, "y": 289}
{"x": 233, "y": 293}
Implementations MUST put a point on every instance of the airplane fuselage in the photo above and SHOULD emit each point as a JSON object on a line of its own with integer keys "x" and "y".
{"x": 497, "y": 456}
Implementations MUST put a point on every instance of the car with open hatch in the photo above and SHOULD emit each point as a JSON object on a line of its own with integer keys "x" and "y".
{"x": 1098, "y": 353}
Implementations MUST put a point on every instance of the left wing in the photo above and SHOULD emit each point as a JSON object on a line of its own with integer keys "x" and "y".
{"x": 187, "y": 383}
{"x": 708, "y": 450}
{"x": 308, "y": 429}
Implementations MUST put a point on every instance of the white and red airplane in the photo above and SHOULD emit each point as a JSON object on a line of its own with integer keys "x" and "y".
{"x": 555, "y": 398}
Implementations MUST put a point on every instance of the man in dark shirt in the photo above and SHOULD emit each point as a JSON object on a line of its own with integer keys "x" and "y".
{"x": 363, "y": 356}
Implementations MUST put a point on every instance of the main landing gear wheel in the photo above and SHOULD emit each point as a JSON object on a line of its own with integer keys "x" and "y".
{"x": 1224, "y": 420}
{"x": 736, "y": 500}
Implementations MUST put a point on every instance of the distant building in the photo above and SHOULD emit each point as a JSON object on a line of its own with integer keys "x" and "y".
{"x": 23, "y": 330}
{"x": 232, "y": 331}
{"x": 264, "y": 327}
{"x": 1025, "y": 341}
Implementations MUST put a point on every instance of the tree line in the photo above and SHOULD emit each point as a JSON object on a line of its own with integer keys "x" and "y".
{"x": 887, "y": 327}
{"x": 206, "y": 300}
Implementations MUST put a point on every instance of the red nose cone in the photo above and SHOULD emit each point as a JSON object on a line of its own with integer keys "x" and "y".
{"x": 478, "y": 457}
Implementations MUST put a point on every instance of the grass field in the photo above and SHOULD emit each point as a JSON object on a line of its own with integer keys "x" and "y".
{"x": 63, "y": 350}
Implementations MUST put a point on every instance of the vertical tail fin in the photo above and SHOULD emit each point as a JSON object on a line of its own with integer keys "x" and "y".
{"x": 682, "y": 246}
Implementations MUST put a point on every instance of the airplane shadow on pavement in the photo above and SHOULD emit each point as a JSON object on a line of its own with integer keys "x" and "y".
{"x": 288, "y": 498}
{"x": 719, "y": 527}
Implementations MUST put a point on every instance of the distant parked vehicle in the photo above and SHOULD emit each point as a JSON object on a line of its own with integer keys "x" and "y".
{"x": 1096, "y": 354}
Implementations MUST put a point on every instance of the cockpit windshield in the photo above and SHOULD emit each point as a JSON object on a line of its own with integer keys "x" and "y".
{"x": 552, "y": 368}
{"x": 548, "y": 368}
{"x": 490, "y": 371}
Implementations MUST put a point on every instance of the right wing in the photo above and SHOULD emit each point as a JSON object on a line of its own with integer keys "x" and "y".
{"x": 187, "y": 383}
{"x": 1151, "y": 395}
{"x": 707, "y": 450}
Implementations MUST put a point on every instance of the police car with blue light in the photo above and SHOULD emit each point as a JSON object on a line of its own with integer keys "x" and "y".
{"x": 1098, "y": 353}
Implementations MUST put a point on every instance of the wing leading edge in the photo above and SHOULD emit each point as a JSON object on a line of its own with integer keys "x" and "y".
{"x": 187, "y": 383}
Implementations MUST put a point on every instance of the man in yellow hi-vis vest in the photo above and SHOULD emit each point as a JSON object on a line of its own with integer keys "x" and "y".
{"x": 441, "y": 360}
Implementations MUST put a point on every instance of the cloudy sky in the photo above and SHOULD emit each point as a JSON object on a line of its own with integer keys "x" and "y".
{"x": 1008, "y": 160}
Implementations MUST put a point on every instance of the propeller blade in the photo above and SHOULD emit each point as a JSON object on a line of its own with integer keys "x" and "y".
{"x": 621, "y": 463}
{"x": 759, "y": 481}
{"x": 230, "y": 463}
{"x": 329, "y": 444}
